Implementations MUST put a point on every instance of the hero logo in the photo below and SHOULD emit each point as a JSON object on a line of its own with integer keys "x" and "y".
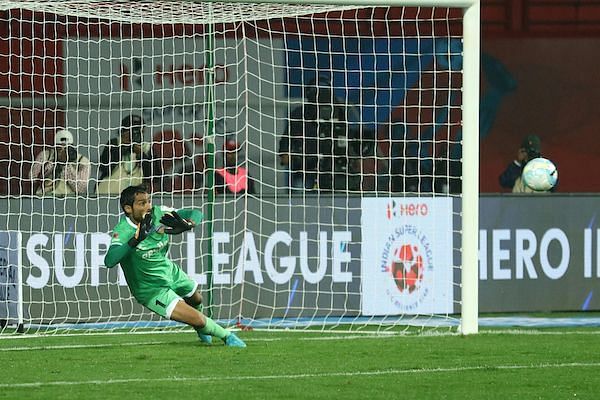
{"x": 395, "y": 210}
{"x": 407, "y": 259}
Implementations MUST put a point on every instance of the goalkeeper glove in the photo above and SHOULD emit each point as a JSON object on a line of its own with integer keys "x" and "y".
{"x": 174, "y": 224}
{"x": 143, "y": 230}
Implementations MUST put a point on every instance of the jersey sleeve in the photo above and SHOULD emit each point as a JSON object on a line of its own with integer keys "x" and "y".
{"x": 186, "y": 213}
{"x": 118, "y": 244}
{"x": 191, "y": 214}
{"x": 121, "y": 235}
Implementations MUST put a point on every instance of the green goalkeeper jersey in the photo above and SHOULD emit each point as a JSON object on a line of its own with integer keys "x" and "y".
{"x": 147, "y": 266}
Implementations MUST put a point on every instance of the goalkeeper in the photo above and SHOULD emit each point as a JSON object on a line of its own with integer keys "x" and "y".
{"x": 140, "y": 242}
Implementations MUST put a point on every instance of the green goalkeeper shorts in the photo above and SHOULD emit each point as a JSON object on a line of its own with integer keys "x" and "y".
{"x": 164, "y": 299}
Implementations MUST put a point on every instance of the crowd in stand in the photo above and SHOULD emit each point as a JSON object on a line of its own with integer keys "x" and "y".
{"x": 130, "y": 160}
{"x": 324, "y": 148}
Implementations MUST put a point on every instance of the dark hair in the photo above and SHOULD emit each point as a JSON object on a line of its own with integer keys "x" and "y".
{"x": 135, "y": 125}
{"x": 128, "y": 195}
{"x": 132, "y": 121}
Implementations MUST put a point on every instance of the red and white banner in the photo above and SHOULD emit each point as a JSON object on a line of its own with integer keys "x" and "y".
{"x": 407, "y": 256}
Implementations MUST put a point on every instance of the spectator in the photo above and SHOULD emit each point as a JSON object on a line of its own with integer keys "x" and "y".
{"x": 233, "y": 178}
{"x": 320, "y": 147}
{"x": 62, "y": 170}
{"x": 127, "y": 160}
{"x": 184, "y": 159}
{"x": 511, "y": 177}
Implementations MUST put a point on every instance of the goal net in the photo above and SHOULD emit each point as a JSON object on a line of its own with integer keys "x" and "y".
{"x": 323, "y": 144}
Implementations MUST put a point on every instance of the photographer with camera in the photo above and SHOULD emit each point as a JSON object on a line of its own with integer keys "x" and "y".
{"x": 321, "y": 148}
{"x": 127, "y": 160}
{"x": 511, "y": 177}
{"x": 60, "y": 171}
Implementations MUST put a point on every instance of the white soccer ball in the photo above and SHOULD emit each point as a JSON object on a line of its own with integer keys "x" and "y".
{"x": 540, "y": 174}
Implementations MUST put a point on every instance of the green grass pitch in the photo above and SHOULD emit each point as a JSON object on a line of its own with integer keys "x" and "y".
{"x": 541, "y": 364}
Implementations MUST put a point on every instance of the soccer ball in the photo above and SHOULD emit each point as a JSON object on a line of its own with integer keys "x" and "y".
{"x": 540, "y": 174}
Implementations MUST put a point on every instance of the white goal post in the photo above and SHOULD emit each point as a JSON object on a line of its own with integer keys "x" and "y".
{"x": 357, "y": 123}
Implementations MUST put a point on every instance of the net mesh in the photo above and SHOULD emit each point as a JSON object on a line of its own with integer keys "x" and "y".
{"x": 170, "y": 12}
{"x": 346, "y": 121}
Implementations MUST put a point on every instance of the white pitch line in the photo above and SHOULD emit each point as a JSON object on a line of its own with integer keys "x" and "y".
{"x": 535, "y": 331}
{"x": 80, "y": 346}
{"x": 153, "y": 343}
{"x": 308, "y": 339}
{"x": 347, "y": 337}
{"x": 29, "y": 336}
{"x": 337, "y": 334}
{"x": 300, "y": 376}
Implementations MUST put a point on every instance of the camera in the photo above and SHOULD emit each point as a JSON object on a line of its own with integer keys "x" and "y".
{"x": 333, "y": 143}
{"x": 341, "y": 148}
{"x": 71, "y": 154}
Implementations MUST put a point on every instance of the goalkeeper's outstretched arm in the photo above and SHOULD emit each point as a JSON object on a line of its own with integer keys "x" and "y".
{"x": 176, "y": 222}
{"x": 191, "y": 214}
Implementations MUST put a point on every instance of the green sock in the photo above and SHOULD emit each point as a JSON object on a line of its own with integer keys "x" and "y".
{"x": 199, "y": 308}
{"x": 214, "y": 329}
